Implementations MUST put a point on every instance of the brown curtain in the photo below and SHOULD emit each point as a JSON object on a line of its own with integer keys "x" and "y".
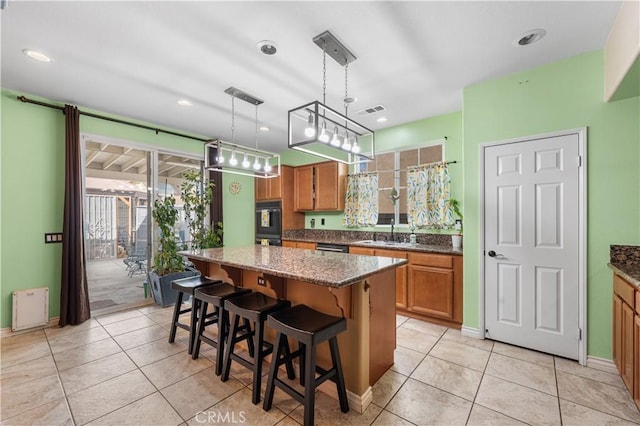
{"x": 74, "y": 294}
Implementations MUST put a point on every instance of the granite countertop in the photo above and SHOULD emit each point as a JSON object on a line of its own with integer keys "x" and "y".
{"x": 630, "y": 273}
{"x": 317, "y": 267}
{"x": 421, "y": 248}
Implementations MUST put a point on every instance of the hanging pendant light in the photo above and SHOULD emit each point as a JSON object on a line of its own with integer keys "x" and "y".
{"x": 308, "y": 135}
{"x": 216, "y": 150}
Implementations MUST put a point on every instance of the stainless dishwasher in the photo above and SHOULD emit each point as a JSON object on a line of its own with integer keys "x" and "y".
{"x": 337, "y": 248}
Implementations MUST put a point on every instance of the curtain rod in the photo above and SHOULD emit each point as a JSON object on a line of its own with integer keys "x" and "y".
{"x": 114, "y": 120}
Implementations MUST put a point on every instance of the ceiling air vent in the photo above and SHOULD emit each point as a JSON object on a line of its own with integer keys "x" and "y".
{"x": 371, "y": 110}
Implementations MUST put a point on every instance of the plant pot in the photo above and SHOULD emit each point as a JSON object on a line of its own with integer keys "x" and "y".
{"x": 456, "y": 241}
{"x": 163, "y": 294}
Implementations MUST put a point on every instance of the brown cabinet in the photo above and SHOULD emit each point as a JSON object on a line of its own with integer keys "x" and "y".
{"x": 428, "y": 287}
{"x": 320, "y": 187}
{"x": 299, "y": 244}
{"x": 626, "y": 334}
{"x": 434, "y": 287}
{"x": 281, "y": 188}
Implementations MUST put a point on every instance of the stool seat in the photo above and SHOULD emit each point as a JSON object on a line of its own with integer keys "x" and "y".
{"x": 216, "y": 296}
{"x": 252, "y": 308}
{"x": 187, "y": 286}
{"x": 307, "y": 325}
{"x": 190, "y": 284}
{"x": 310, "y": 328}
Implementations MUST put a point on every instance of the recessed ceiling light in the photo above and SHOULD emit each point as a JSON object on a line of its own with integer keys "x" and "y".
{"x": 38, "y": 56}
{"x": 529, "y": 37}
{"x": 264, "y": 128}
{"x": 381, "y": 119}
{"x": 184, "y": 103}
{"x": 268, "y": 47}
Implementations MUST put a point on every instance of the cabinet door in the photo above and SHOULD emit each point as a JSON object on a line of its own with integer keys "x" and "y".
{"x": 401, "y": 275}
{"x": 617, "y": 332}
{"x": 327, "y": 187}
{"x": 275, "y": 188}
{"x": 303, "y": 188}
{"x": 636, "y": 359}
{"x": 627, "y": 346}
{"x": 361, "y": 250}
{"x": 305, "y": 245}
{"x": 262, "y": 189}
{"x": 291, "y": 244}
{"x": 431, "y": 291}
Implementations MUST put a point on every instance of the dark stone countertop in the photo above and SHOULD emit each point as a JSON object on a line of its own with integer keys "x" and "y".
{"x": 419, "y": 247}
{"x": 317, "y": 267}
{"x": 630, "y": 273}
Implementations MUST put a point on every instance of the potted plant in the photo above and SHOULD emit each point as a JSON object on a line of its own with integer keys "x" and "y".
{"x": 197, "y": 196}
{"x": 168, "y": 265}
{"x": 456, "y": 239}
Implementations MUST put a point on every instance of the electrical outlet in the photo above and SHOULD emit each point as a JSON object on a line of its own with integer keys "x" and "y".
{"x": 262, "y": 281}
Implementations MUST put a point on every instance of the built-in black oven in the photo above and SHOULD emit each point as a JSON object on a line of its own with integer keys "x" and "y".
{"x": 268, "y": 221}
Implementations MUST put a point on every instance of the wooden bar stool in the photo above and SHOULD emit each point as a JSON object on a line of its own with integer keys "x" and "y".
{"x": 253, "y": 308}
{"x": 187, "y": 286}
{"x": 310, "y": 328}
{"x": 215, "y": 295}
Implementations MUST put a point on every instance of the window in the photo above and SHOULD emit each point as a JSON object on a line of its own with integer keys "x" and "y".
{"x": 392, "y": 174}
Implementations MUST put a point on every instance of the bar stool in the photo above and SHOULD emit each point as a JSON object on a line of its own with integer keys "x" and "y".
{"x": 187, "y": 285}
{"x": 253, "y": 307}
{"x": 215, "y": 295}
{"x": 310, "y": 328}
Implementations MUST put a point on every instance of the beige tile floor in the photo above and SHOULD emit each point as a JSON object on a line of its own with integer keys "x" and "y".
{"x": 119, "y": 370}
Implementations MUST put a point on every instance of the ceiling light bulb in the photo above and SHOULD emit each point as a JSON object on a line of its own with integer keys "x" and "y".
{"x": 267, "y": 166}
{"x": 38, "y": 56}
{"x": 381, "y": 119}
{"x": 233, "y": 161}
{"x": 324, "y": 135}
{"x": 220, "y": 158}
{"x": 256, "y": 164}
{"x": 310, "y": 130}
{"x": 184, "y": 103}
{"x": 355, "y": 148}
{"x": 245, "y": 162}
{"x": 335, "y": 141}
{"x": 264, "y": 129}
{"x": 347, "y": 143}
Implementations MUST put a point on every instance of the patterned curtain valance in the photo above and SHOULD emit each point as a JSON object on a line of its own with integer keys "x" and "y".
{"x": 428, "y": 196}
{"x": 361, "y": 200}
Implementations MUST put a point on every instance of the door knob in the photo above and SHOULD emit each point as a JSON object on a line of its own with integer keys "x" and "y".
{"x": 494, "y": 254}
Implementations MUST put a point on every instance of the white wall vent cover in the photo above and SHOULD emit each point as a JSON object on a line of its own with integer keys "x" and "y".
{"x": 30, "y": 308}
{"x": 371, "y": 110}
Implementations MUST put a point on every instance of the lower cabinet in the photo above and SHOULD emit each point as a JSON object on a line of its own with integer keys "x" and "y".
{"x": 299, "y": 244}
{"x": 428, "y": 287}
{"x": 626, "y": 334}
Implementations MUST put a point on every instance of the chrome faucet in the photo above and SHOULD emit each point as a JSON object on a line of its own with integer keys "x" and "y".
{"x": 392, "y": 222}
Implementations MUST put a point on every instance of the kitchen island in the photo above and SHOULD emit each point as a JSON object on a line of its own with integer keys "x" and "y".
{"x": 359, "y": 288}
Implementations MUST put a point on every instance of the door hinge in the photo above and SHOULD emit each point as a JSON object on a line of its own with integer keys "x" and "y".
{"x": 579, "y": 161}
{"x": 579, "y": 334}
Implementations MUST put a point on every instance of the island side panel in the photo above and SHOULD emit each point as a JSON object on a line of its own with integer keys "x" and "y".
{"x": 382, "y": 318}
{"x": 354, "y": 342}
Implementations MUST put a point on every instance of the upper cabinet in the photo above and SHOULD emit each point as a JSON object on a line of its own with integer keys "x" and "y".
{"x": 281, "y": 188}
{"x": 320, "y": 187}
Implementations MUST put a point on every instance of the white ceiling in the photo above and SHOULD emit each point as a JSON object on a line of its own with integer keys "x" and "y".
{"x": 137, "y": 59}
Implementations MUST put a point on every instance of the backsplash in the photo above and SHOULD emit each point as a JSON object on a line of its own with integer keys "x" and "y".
{"x": 625, "y": 255}
{"x": 348, "y": 236}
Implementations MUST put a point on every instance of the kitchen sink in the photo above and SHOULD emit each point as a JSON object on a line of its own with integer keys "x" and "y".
{"x": 384, "y": 243}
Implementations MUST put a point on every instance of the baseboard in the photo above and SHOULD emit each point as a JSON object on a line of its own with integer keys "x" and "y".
{"x": 358, "y": 403}
{"x": 6, "y": 332}
{"x": 471, "y": 332}
{"x": 601, "y": 364}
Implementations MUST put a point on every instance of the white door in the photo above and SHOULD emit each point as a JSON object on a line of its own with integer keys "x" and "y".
{"x": 532, "y": 244}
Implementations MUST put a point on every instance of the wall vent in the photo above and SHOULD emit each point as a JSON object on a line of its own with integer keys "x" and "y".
{"x": 371, "y": 110}
{"x": 30, "y": 308}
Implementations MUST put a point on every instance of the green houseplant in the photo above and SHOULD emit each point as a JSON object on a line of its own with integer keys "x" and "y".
{"x": 456, "y": 240}
{"x": 168, "y": 265}
{"x": 197, "y": 196}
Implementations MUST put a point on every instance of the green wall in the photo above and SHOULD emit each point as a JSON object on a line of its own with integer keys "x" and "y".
{"x": 560, "y": 96}
{"x": 32, "y": 183}
{"x": 404, "y": 135}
